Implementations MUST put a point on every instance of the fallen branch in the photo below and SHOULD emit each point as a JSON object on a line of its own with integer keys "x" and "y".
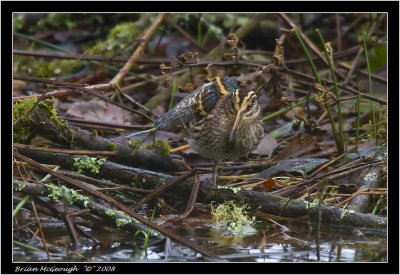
{"x": 129, "y": 211}
{"x": 285, "y": 207}
{"x": 37, "y": 189}
{"x": 73, "y": 136}
{"x": 107, "y": 170}
{"x": 260, "y": 201}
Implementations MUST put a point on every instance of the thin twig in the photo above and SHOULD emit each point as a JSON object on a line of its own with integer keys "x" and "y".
{"x": 134, "y": 101}
{"x": 192, "y": 199}
{"x": 308, "y": 41}
{"x": 164, "y": 188}
{"x": 55, "y": 94}
{"x": 329, "y": 163}
{"x": 103, "y": 124}
{"x": 66, "y": 151}
{"x": 138, "y": 52}
{"x": 40, "y": 228}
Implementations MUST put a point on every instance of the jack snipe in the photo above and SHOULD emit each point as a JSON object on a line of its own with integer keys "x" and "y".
{"x": 223, "y": 120}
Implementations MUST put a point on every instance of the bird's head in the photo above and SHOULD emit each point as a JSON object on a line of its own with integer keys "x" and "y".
{"x": 245, "y": 108}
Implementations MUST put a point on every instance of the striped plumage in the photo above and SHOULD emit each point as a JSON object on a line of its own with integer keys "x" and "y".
{"x": 187, "y": 109}
{"x": 222, "y": 119}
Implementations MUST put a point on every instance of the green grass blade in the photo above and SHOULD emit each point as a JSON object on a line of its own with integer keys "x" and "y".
{"x": 328, "y": 56}
{"x": 318, "y": 80}
{"x": 374, "y": 123}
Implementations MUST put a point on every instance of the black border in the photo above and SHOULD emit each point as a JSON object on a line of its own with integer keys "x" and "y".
{"x": 202, "y": 6}
{"x": 392, "y": 7}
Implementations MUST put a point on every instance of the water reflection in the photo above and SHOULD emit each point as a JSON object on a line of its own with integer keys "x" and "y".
{"x": 297, "y": 243}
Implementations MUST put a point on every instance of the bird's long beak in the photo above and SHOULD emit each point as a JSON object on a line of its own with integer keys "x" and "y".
{"x": 237, "y": 120}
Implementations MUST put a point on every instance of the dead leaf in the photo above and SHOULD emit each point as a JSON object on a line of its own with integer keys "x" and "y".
{"x": 98, "y": 110}
{"x": 266, "y": 146}
{"x": 298, "y": 147}
{"x": 268, "y": 184}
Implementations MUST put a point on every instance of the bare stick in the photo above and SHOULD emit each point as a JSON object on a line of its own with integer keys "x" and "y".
{"x": 138, "y": 52}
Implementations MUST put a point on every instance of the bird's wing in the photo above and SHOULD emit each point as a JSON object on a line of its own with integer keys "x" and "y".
{"x": 185, "y": 111}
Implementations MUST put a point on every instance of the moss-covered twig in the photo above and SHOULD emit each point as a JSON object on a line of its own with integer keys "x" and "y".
{"x": 276, "y": 205}
{"x": 95, "y": 208}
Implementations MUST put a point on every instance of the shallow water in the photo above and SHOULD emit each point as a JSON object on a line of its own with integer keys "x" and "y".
{"x": 272, "y": 242}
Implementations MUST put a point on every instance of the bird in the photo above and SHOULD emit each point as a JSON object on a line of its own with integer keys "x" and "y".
{"x": 222, "y": 118}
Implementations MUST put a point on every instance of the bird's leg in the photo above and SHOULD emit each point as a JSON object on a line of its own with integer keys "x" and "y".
{"x": 215, "y": 170}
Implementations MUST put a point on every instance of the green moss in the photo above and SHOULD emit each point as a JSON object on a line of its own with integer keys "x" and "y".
{"x": 94, "y": 133}
{"x": 233, "y": 218}
{"x": 110, "y": 213}
{"x": 19, "y": 187}
{"x": 66, "y": 194}
{"x": 345, "y": 212}
{"x": 21, "y": 108}
{"x": 43, "y": 68}
{"x": 310, "y": 205}
{"x": 371, "y": 177}
{"x": 113, "y": 146}
{"x": 135, "y": 144}
{"x": 88, "y": 164}
{"x": 121, "y": 218}
{"x": 18, "y": 21}
{"x": 381, "y": 222}
{"x": 22, "y": 119}
{"x": 61, "y": 124}
{"x": 123, "y": 222}
{"x": 119, "y": 38}
{"x": 57, "y": 20}
{"x": 124, "y": 31}
{"x": 53, "y": 115}
{"x": 159, "y": 147}
{"x": 46, "y": 22}
{"x": 234, "y": 189}
{"x": 65, "y": 67}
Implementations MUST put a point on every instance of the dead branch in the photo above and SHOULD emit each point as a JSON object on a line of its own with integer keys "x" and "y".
{"x": 39, "y": 189}
{"x": 285, "y": 207}
{"x": 73, "y": 136}
{"x": 129, "y": 211}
